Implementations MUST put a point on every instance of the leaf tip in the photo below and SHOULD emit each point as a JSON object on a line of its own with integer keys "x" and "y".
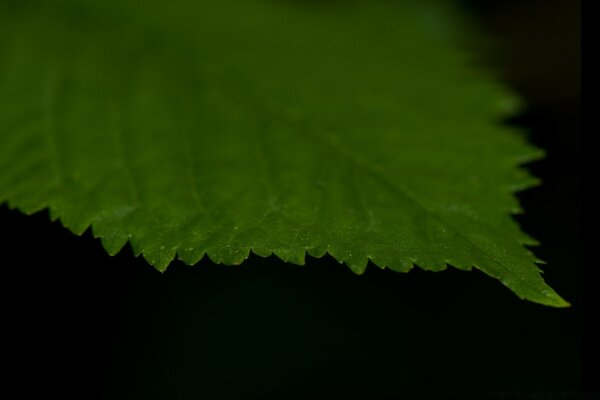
{"x": 552, "y": 299}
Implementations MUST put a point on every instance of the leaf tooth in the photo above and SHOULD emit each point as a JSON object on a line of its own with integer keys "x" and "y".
{"x": 74, "y": 223}
{"x": 358, "y": 265}
{"x": 401, "y": 265}
{"x": 228, "y": 255}
{"x": 113, "y": 243}
{"x": 261, "y": 251}
{"x": 316, "y": 251}
{"x": 463, "y": 266}
{"x": 159, "y": 259}
{"x": 191, "y": 255}
{"x": 294, "y": 256}
{"x": 432, "y": 264}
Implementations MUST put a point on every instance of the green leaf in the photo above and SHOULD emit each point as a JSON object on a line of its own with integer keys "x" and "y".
{"x": 358, "y": 129}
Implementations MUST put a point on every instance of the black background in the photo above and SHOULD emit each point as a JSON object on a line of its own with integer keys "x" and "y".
{"x": 80, "y": 324}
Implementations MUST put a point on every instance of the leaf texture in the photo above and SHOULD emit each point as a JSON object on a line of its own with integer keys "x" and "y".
{"x": 358, "y": 129}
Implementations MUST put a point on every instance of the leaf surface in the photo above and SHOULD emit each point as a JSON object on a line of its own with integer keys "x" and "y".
{"x": 358, "y": 129}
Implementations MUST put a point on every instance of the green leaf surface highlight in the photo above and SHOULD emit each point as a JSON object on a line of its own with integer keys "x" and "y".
{"x": 358, "y": 129}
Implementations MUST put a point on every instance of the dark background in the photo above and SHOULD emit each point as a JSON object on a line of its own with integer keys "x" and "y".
{"x": 80, "y": 324}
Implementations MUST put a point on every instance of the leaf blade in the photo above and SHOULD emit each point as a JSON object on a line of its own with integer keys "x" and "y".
{"x": 350, "y": 141}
